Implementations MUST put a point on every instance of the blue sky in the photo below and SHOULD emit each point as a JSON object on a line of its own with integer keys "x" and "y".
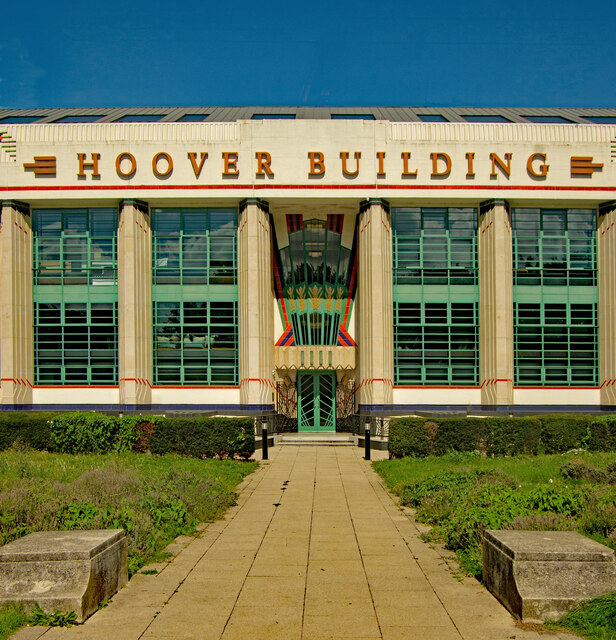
{"x": 153, "y": 53}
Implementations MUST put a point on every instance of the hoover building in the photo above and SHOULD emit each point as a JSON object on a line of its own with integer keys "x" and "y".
{"x": 312, "y": 263}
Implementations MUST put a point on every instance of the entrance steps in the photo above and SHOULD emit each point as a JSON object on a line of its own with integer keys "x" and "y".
{"x": 324, "y": 438}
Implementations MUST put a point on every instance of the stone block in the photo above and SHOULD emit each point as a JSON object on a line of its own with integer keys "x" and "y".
{"x": 540, "y": 575}
{"x": 64, "y": 570}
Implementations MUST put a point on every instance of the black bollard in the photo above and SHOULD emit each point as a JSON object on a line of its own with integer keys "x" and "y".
{"x": 367, "y": 441}
{"x": 264, "y": 440}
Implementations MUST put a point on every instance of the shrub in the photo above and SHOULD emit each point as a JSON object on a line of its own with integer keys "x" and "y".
{"x": 87, "y": 432}
{"x": 577, "y": 469}
{"x": 513, "y": 436}
{"x": 32, "y": 429}
{"x": 407, "y": 437}
{"x": 602, "y": 435}
{"x": 543, "y": 522}
{"x": 558, "y": 498}
{"x": 556, "y": 433}
{"x": 205, "y": 437}
{"x": 194, "y": 436}
{"x": 562, "y": 432}
{"x": 144, "y": 430}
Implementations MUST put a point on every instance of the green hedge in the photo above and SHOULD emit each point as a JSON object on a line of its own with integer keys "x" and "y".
{"x": 91, "y": 432}
{"x": 555, "y": 433}
{"x": 30, "y": 429}
{"x": 203, "y": 437}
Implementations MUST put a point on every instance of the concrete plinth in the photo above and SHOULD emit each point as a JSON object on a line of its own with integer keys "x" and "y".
{"x": 64, "y": 570}
{"x": 540, "y": 575}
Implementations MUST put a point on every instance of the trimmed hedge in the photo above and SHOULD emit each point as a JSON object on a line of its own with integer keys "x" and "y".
{"x": 91, "y": 432}
{"x": 203, "y": 437}
{"x": 30, "y": 429}
{"x": 555, "y": 433}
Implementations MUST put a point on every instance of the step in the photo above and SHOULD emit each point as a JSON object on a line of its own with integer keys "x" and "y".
{"x": 325, "y": 438}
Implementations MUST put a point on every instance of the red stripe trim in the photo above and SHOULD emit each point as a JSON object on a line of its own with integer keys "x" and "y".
{"x": 405, "y": 387}
{"x": 550, "y": 388}
{"x": 23, "y": 381}
{"x": 39, "y": 386}
{"x": 308, "y": 187}
{"x": 137, "y": 380}
{"x": 185, "y": 387}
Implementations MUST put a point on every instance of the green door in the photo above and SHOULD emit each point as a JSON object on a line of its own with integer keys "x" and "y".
{"x": 316, "y": 401}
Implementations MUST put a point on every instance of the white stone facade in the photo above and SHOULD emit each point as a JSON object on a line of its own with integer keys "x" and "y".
{"x": 268, "y": 169}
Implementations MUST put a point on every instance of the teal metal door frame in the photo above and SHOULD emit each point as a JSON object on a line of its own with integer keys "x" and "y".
{"x": 316, "y": 401}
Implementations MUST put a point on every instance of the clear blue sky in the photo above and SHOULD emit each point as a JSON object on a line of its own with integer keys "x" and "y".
{"x": 325, "y": 52}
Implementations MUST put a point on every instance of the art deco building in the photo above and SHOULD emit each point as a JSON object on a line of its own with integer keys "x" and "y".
{"x": 308, "y": 262}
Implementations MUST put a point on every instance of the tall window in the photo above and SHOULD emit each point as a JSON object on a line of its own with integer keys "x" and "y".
{"x": 75, "y": 297}
{"x": 436, "y": 296}
{"x": 195, "y": 297}
{"x": 555, "y": 297}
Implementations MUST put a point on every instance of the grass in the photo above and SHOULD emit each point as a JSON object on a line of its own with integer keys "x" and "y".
{"x": 526, "y": 470}
{"x": 12, "y": 617}
{"x": 594, "y": 619}
{"x": 15, "y": 465}
{"x": 153, "y": 498}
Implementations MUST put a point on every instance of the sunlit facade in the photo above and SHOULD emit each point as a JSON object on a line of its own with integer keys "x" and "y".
{"x": 310, "y": 263}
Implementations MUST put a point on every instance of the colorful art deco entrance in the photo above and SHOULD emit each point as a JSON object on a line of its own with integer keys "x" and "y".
{"x": 316, "y": 401}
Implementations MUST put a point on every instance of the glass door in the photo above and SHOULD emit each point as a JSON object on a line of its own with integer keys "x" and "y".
{"x": 316, "y": 401}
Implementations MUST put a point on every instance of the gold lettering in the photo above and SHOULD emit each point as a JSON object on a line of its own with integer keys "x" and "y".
{"x": 435, "y": 158}
{"x": 230, "y": 164}
{"x": 505, "y": 168}
{"x": 317, "y": 163}
{"x": 470, "y": 158}
{"x": 133, "y": 165}
{"x": 192, "y": 156}
{"x": 88, "y": 166}
{"x": 264, "y": 160}
{"x": 405, "y": 170}
{"x": 156, "y": 158}
{"x": 344, "y": 156}
{"x": 381, "y": 158}
{"x": 543, "y": 168}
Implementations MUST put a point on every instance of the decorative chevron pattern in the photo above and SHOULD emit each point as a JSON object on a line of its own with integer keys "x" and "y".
{"x": 287, "y": 339}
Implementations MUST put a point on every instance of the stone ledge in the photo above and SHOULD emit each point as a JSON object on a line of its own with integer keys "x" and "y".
{"x": 64, "y": 570}
{"x": 540, "y": 575}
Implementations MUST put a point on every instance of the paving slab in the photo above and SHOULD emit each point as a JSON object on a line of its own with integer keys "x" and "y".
{"x": 316, "y": 549}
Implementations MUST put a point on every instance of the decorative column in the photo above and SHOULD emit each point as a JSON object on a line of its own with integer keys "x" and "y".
{"x": 256, "y": 305}
{"x": 375, "y": 306}
{"x": 16, "y": 333}
{"x": 606, "y": 265}
{"x": 135, "y": 303}
{"x": 496, "y": 303}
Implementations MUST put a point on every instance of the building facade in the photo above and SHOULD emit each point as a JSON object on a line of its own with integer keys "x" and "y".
{"x": 311, "y": 263}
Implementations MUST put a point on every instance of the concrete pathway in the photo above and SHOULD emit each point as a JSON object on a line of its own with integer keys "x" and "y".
{"x": 315, "y": 549}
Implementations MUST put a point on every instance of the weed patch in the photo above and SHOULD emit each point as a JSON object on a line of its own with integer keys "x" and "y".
{"x": 153, "y": 498}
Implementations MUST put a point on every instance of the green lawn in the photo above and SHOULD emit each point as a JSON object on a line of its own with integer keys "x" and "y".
{"x": 527, "y": 470}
